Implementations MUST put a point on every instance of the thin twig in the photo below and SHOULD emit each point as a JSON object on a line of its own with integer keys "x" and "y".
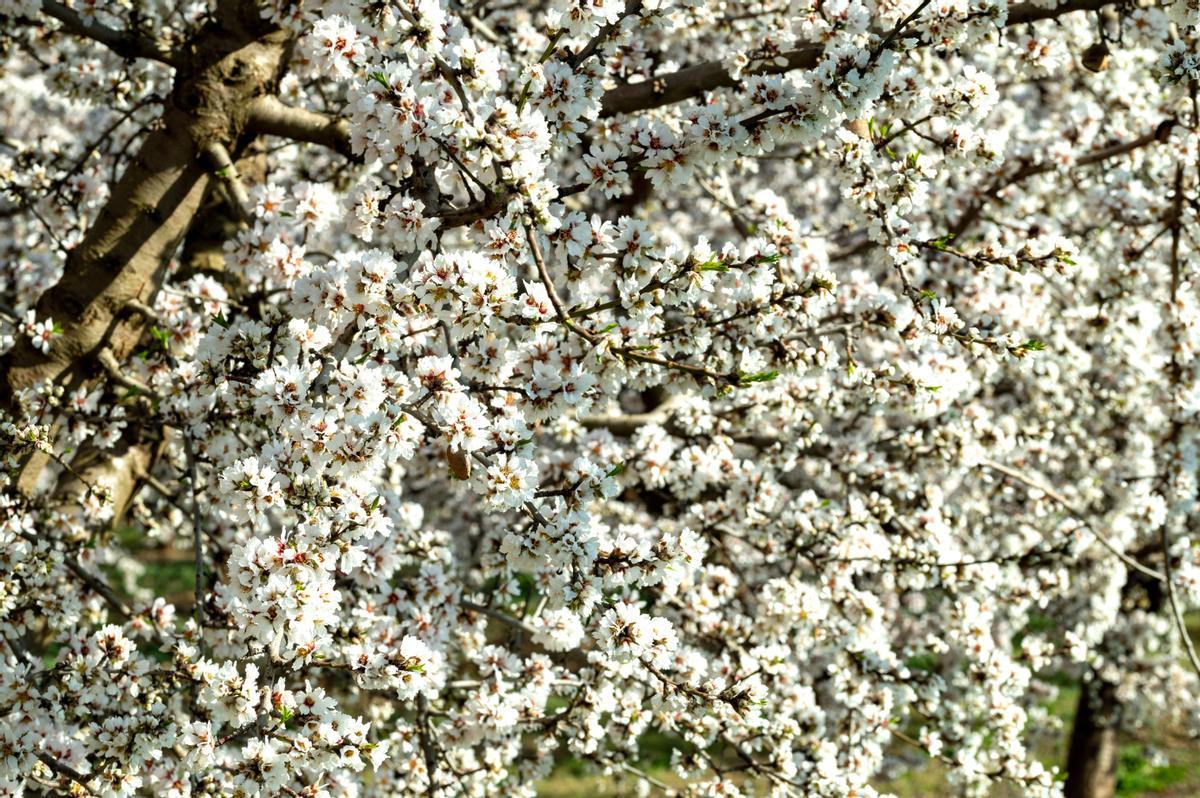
{"x": 197, "y": 536}
{"x": 97, "y": 586}
{"x": 127, "y": 44}
{"x": 108, "y": 361}
{"x": 147, "y": 312}
{"x": 65, "y": 771}
{"x": 1176, "y": 611}
{"x": 1023, "y": 478}
{"x": 516, "y": 623}
{"x": 227, "y": 170}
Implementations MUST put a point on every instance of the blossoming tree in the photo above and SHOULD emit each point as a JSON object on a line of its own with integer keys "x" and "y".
{"x": 801, "y": 382}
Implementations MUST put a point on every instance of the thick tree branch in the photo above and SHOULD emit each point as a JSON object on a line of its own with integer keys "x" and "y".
{"x": 271, "y": 117}
{"x": 695, "y": 80}
{"x": 126, "y": 44}
{"x": 124, "y": 255}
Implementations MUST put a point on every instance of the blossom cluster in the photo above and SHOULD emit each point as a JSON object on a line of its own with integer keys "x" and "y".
{"x": 808, "y": 384}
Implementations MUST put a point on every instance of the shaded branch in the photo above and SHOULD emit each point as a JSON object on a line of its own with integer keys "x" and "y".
{"x": 124, "y": 253}
{"x": 197, "y": 533}
{"x": 65, "y": 771}
{"x": 704, "y": 77}
{"x": 496, "y": 615}
{"x": 270, "y": 117}
{"x": 1027, "y": 170}
{"x": 629, "y": 423}
{"x": 96, "y": 585}
{"x": 127, "y": 44}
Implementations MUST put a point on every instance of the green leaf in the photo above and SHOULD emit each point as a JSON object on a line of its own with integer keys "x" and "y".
{"x": 162, "y": 336}
{"x": 762, "y": 376}
{"x": 822, "y": 284}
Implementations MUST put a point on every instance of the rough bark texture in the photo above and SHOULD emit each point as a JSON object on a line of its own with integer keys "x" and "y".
{"x": 219, "y": 73}
{"x": 1092, "y": 759}
{"x": 116, "y": 470}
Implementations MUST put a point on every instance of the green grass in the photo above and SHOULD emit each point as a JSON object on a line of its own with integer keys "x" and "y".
{"x": 1138, "y": 774}
{"x": 564, "y": 786}
{"x": 1137, "y": 777}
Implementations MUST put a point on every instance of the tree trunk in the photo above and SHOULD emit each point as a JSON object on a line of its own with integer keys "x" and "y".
{"x": 1092, "y": 759}
{"x": 124, "y": 254}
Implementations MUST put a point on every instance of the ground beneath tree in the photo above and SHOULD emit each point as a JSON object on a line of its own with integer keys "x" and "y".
{"x": 1152, "y": 763}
